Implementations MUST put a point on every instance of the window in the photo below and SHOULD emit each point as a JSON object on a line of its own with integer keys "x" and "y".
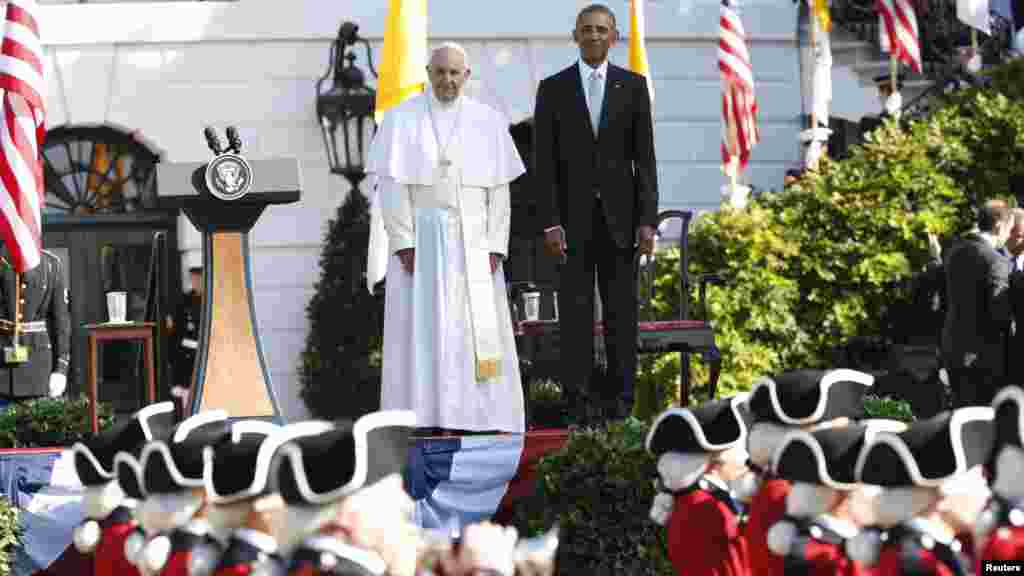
{"x": 97, "y": 170}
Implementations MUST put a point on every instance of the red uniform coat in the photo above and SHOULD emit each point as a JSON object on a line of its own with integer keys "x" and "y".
{"x": 109, "y": 554}
{"x": 912, "y": 553}
{"x": 246, "y": 550}
{"x": 1005, "y": 543}
{"x": 705, "y": 534}
{"x": 766, "y": 508}
{"x": 183, "y": 544}
{"x": 819, "y": 551}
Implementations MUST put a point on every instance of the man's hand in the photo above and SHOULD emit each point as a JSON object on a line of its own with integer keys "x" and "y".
{"x": 408, "y": 258}
{"x": 645, "y": 237}
{"x": 554, "y": 242}
{"x": 58, "y": 382}
{"x": 495, "y": 260}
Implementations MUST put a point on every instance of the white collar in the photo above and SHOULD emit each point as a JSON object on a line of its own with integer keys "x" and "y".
{"x": 264, "y": 542}
{"x": 844, "y": 528}
{"x": 990, "y": 238}
{"x": 586, "y": 70}
{"x": 932, "y": 530}
{"x": 198, "y": 526}
{"x": 717, "y": 482}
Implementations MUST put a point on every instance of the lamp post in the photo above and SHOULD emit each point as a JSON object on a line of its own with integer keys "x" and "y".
{"x": 347, "y": 107}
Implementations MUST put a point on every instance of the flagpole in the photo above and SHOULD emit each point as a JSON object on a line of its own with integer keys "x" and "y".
{"x": 894, "y": 67}
{"x": 813, "y": 21}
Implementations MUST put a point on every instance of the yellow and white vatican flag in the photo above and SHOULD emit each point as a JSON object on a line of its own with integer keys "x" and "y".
{"x": 822, "y": 79}
{"x": 402, "y": 75}
{"x": 637, "y": 49}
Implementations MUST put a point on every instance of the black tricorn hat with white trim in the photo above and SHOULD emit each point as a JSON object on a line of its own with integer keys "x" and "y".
{"x": 1009, "y": 415}
{"x": 360, "y": 453}
{"x": 94, "y": 458}
{"x": 238, "y": 467}
{"x": 803, "y": 397}
{"x": 711, "y": 427}
{"x": 176, "y": 464}
{"x": 929, "y": 452}
{"x": 128, "y": 472}
{"x": 828, "y": 457}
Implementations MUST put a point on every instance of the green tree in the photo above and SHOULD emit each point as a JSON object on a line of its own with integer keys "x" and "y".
{"x": 823, "y": 261}
{"x": 341, "y": 364}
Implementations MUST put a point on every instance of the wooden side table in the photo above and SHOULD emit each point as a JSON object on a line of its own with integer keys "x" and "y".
{"x": 114, "y": 331}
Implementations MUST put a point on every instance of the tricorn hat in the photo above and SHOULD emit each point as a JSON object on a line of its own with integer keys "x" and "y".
{"x": 128, "y": 471}
{"x": 803, "y": 397}
{"x": 176, "y": 464}
{"x": 361, "y": 453}
{"x": 828, "y": 457}
{"x": 238, "y": 467}
{"x": 930, "y": 452}
{"x": 1009, "y": 416}
{"x": 711, "y": 427}
{"x": 94, "y": 458}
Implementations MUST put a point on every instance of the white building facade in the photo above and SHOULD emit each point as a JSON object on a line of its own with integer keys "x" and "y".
{"x": 167, "y": 69}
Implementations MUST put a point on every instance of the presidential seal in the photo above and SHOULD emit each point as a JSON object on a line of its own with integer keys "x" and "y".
{"x": 228, "y": 177}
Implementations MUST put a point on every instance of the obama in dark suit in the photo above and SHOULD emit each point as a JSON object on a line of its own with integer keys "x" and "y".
{"x": 596, "y": 180}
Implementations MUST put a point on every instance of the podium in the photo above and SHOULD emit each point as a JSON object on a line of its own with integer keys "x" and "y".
{"x": 223, "y": 199}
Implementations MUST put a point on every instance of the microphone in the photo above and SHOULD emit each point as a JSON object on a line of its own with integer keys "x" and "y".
{"x": 234, "y": 141}
{"x": 212, "y": 140}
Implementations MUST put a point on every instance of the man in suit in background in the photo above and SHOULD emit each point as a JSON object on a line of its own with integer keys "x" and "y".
{"x": 595, "y": 174}
{"x": 978, "y": 311}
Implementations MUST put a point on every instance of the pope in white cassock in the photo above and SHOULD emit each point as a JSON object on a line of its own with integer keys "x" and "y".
{"x": 443, "y": 163}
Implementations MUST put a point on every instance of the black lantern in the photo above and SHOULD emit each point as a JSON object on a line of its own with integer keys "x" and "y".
{"x": 347, "y": 107}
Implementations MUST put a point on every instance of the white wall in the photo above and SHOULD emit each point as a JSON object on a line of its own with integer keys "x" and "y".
{"x": 170, "y": 68}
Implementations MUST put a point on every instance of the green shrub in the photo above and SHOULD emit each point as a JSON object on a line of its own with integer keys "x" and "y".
{"x": 888, "y": 407}
{"x": 598, "y": 489}
{"x": 10, "y": 533}
{"x": 50, "y": 422}
{"x": 810, "y": 267}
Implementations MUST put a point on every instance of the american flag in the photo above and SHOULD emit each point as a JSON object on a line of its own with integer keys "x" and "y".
{"x": 22, "y": 130}
{"x": 898, "y": 32}
{"x": 739, "y": 106}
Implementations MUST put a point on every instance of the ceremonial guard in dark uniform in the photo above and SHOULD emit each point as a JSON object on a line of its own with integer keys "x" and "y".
{"x": 176, "y": 499}
{"x": 186, "y": 329}
{"x": 1001, "y": 525}
{"x": 806, "y": 399}
{"x": 821, "y": 465}
{"x": 37, "y": 307}
{"x": 933, "y": 488}
{"x": 109, "y": 510}
{"x": 361, "y": 456}
{"x": 700, "y": 451}
{"x": 236, "y": 476}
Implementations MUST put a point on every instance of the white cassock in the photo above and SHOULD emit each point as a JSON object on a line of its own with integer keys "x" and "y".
{"x": 449, "y": 350}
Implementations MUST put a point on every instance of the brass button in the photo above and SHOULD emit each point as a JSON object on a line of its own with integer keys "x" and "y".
{"x": 22, "y": 300}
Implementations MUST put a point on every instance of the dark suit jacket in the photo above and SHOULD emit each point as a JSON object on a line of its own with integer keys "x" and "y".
{"x": 570, "y": 164}
{"x": 978, "y": 300}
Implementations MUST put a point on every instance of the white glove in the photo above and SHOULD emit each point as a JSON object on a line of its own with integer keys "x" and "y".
{"x": 58, "y": 382}
{"x": 894, "y": 103}
{"x": 934, "y": 248}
